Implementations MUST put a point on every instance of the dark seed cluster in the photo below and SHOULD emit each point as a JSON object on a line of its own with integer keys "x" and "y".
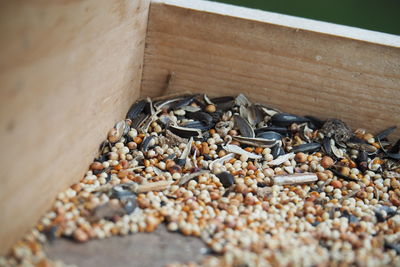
{"x": 259, "y": 186}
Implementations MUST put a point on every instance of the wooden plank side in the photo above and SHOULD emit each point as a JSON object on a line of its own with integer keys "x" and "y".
{"x": 68, "y": 71}
{"x": 286, "y": 20}
{"x": 294, "y": 69}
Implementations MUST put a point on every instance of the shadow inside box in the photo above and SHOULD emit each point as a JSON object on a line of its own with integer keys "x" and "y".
{"x": 141, "y": 249}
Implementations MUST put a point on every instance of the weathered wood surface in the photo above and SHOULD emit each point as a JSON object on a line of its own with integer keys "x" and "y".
{"x": 68, "y": 71}
{"x": 298, "y": 65}
{"x": 156, "y": 249}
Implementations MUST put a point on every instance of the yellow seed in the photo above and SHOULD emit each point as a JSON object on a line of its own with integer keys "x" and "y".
{"x": 211, "y": 108}
{"x": 327, "y": 162}
{"x": 352, "y": 164}
{"x": 80, "y": 235}
{"x": 322, "y": 176}
{"x": 300, "y": 157}
{"x": 221, "y": 153}
{"x": 258, "y": 150}
{"x": 344, "y": 171}
{"x": 336, "y": 184}
{"x": 137, "y": 140}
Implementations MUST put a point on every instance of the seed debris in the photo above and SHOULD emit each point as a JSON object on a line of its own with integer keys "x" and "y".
{"x": 304, "y": 191}
{"x": 295, "y": 179}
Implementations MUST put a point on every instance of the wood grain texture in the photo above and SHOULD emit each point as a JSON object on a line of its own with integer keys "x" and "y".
{"x": 68, "y": 71}
{"x": 285, "y": 20}
{"x": 156, "y": 249}
{"x": 295, "y": 69}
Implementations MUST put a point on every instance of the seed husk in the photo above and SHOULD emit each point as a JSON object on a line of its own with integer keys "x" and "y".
{"x": 145, "y": 145}
{"x": 185, "y": 152}
{"x": 244, "y": 126}
{"x": 139, "y": 120}
{"x": 257, "y": 142}
{"x": 362, "y": 146}
{"x": 173, "y": 139}
{"x": 252, "y": 114}
{"x": 149, "y": 107}
{"x": 191, "y": 108}
{"x": 383, "y": 134}
{"x": 135, "y": 109}
{"x": 281, "y": 159}
{"x": 221, "y": 160}
{"x": 155, "y": 186}
{"x": 241, "y": 100}
{"x": 267, "y": 110}
{"x": 277, "y": 151}
{"x": 166, "y": 103}
{"x": 299, "y": 178}
{"x": 238, "y": 150}
{"x": 336, "y": 151}
{"x": 185, "y": 132}
{"x": 223, "y": 127}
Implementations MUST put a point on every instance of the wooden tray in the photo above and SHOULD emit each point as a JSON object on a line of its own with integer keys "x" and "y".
{"x": 70, "y": 69}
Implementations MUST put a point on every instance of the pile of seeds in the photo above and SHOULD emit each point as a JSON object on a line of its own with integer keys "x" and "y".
{"x": 260, "y": 187}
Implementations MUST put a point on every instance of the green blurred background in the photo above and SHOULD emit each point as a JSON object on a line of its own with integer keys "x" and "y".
{"x": 376, "y": 15}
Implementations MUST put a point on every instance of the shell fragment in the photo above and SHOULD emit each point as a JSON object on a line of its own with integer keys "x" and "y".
{"x": 298, "y": 178}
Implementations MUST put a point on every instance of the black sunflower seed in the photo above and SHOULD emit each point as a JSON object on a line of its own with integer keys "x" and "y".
{"x": 197, "y": 125}
{"x": 385, "y": 133}
{"x": 185, "y": 132}
{"x": 136, "y": 109}
{"x": 200, "y": 116}
{"x": 285, "y": 119}
{"x": 277, "y": 151}
{"x": 270, "y": 135}
{"x": 306, "y": 148}
{"x": 281, "y": 130}
{"x": 226, "y": 179}
{"x": 145, "y": 145}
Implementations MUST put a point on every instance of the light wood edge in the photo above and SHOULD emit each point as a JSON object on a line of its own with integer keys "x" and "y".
{"x": 68, "y": 71}
{"x": 286, "y": 20}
